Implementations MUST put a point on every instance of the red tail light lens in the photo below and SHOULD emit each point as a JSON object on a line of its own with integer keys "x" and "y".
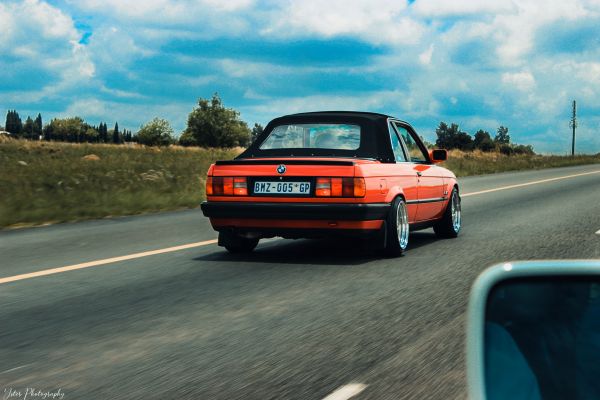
{"x": 226, "y": 186}
{"x": 348, "y": 187}
{"x": 340, "y": 187}
{"x": 336, "y": 187}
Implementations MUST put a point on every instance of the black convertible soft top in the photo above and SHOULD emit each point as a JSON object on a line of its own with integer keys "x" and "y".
{"x": 374, "y": 141}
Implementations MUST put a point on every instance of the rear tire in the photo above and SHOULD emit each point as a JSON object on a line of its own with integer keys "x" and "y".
{"x": 396, "y": 239}
{"x": 451, "y": 222}
{"x": 235, "y": 243}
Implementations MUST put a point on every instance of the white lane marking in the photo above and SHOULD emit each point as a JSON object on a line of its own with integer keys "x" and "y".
{"x": 14, "y": 369}
{"x": 105, "y": 261}
{"x": 528, "y": 183}
{"x": 346, "y": 392}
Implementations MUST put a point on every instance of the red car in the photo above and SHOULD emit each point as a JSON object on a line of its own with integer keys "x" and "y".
{"x": 322, "y": 174}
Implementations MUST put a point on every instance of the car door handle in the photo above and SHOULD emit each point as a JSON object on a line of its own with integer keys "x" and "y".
{"x": 419, "y": 173}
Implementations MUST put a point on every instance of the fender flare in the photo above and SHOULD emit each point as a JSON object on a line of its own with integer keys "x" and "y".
{"x": 394, "y": 192}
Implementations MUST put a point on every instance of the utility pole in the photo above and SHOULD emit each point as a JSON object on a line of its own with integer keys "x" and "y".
{"x": 573, "y": 124}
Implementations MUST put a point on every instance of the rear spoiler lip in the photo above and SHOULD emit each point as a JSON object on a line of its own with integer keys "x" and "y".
{"x": 287, "y": 162}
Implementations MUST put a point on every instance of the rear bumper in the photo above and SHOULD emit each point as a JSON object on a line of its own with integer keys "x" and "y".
{"x": 296, "y": 211}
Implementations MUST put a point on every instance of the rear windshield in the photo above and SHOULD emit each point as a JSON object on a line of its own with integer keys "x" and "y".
{"x": 313, "y": 136}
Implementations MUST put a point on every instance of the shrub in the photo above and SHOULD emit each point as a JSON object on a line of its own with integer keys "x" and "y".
{"x": 212, "y": 125}
{"x": 157, "y": 132}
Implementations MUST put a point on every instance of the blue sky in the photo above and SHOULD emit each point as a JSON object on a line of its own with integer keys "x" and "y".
{"x": 479, "y": 64}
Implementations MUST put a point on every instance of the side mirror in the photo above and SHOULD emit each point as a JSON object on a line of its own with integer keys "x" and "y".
{"x": 438, "y": 155}
{"x": 533, "y": 331}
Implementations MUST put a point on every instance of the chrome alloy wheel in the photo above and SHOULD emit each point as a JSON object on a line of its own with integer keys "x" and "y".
{"x": 455, "y": 211}
{"x": 402, "y": 224}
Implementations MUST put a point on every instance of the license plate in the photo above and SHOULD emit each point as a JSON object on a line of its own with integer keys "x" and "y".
{"x": 282, "y": 187}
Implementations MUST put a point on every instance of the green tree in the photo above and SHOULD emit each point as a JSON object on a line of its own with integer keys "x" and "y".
{"x": 102, "y": 133}
{"x": 14, "y": 124}
{"x": 451, "y": 137}
{"x": 28, "y": 128}
{"x": 502, "y": 136}
{"x": 210, "y": 124}
{"x": 483, "y": 141}
{"x": 68, "y": 129}
{"x": 116, "y": 136}
{"x": 256, "y": 131}
{"x": 157, "y": 132}
{"x": 91, "y": 135}
{"x": 37, "y": 126}
{"x": 48, "y": 132}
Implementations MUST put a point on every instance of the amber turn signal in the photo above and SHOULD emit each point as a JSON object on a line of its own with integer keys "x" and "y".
{"x": 209, "y": 186}
{"x": 323, "y": 188}
{"x": 240, "y": 188}
{"x": 360, "y": 188}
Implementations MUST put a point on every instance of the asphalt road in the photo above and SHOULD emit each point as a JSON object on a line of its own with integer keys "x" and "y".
{"x": 295, "y": 320}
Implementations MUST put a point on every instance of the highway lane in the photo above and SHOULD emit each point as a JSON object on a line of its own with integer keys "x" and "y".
{"x": 297, "y": 319}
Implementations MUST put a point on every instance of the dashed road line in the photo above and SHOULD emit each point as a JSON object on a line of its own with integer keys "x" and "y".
{"x": 528, "y": 183}
{"x": 14, "y": 369}
{"x": 105, "y": 261}
{"x": 346, "y": 392}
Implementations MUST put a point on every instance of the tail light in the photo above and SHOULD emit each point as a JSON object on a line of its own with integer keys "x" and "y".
{"x": 226, "y": 186}
{"x": 209, "y": 186}
{"x": 340, "y": 187}
{"x": 323, "y": 188}
{"x": 240, "y": 187}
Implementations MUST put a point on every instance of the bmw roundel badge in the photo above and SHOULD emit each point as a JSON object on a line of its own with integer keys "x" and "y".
{"x": 281, "y": 169}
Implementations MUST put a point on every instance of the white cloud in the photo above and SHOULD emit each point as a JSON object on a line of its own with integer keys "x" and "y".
{"x": 376, "y": 21}
{"x": 523, "y": 80}
{"x": 438, "y": 8}
{"x": 45, "y": 38}
{"x": 206, "y": 17}
{"x": 51, "y": 21}
{"x": 6, "y": 26}
{"x": 425, "y": 57}
{"x": 114, "y": 48}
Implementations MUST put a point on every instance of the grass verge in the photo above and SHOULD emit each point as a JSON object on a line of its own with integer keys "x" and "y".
{"x": 45, "y": 182}
{"x": 57, "y": 182}
{"x": 480, "y": 163}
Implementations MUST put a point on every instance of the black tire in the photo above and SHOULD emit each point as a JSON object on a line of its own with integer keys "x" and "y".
{"x": 235, "y": 243}
{"x": 450, "y": 224}
{"x": 397, "y": 229}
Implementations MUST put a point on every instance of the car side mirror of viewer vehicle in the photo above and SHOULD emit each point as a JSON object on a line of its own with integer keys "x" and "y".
{"x": 438, "y": 155}
{"x": 533, "y": 331}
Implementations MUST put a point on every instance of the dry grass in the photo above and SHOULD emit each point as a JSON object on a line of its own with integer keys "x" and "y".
{"x": 479, "y": 163}
{"x": 54, "y": 182}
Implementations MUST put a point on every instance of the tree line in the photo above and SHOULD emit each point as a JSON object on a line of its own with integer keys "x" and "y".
{"x": 211, "y": 124}
{"x": 452, "y": 137}
{"x": 74, "y": 130}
